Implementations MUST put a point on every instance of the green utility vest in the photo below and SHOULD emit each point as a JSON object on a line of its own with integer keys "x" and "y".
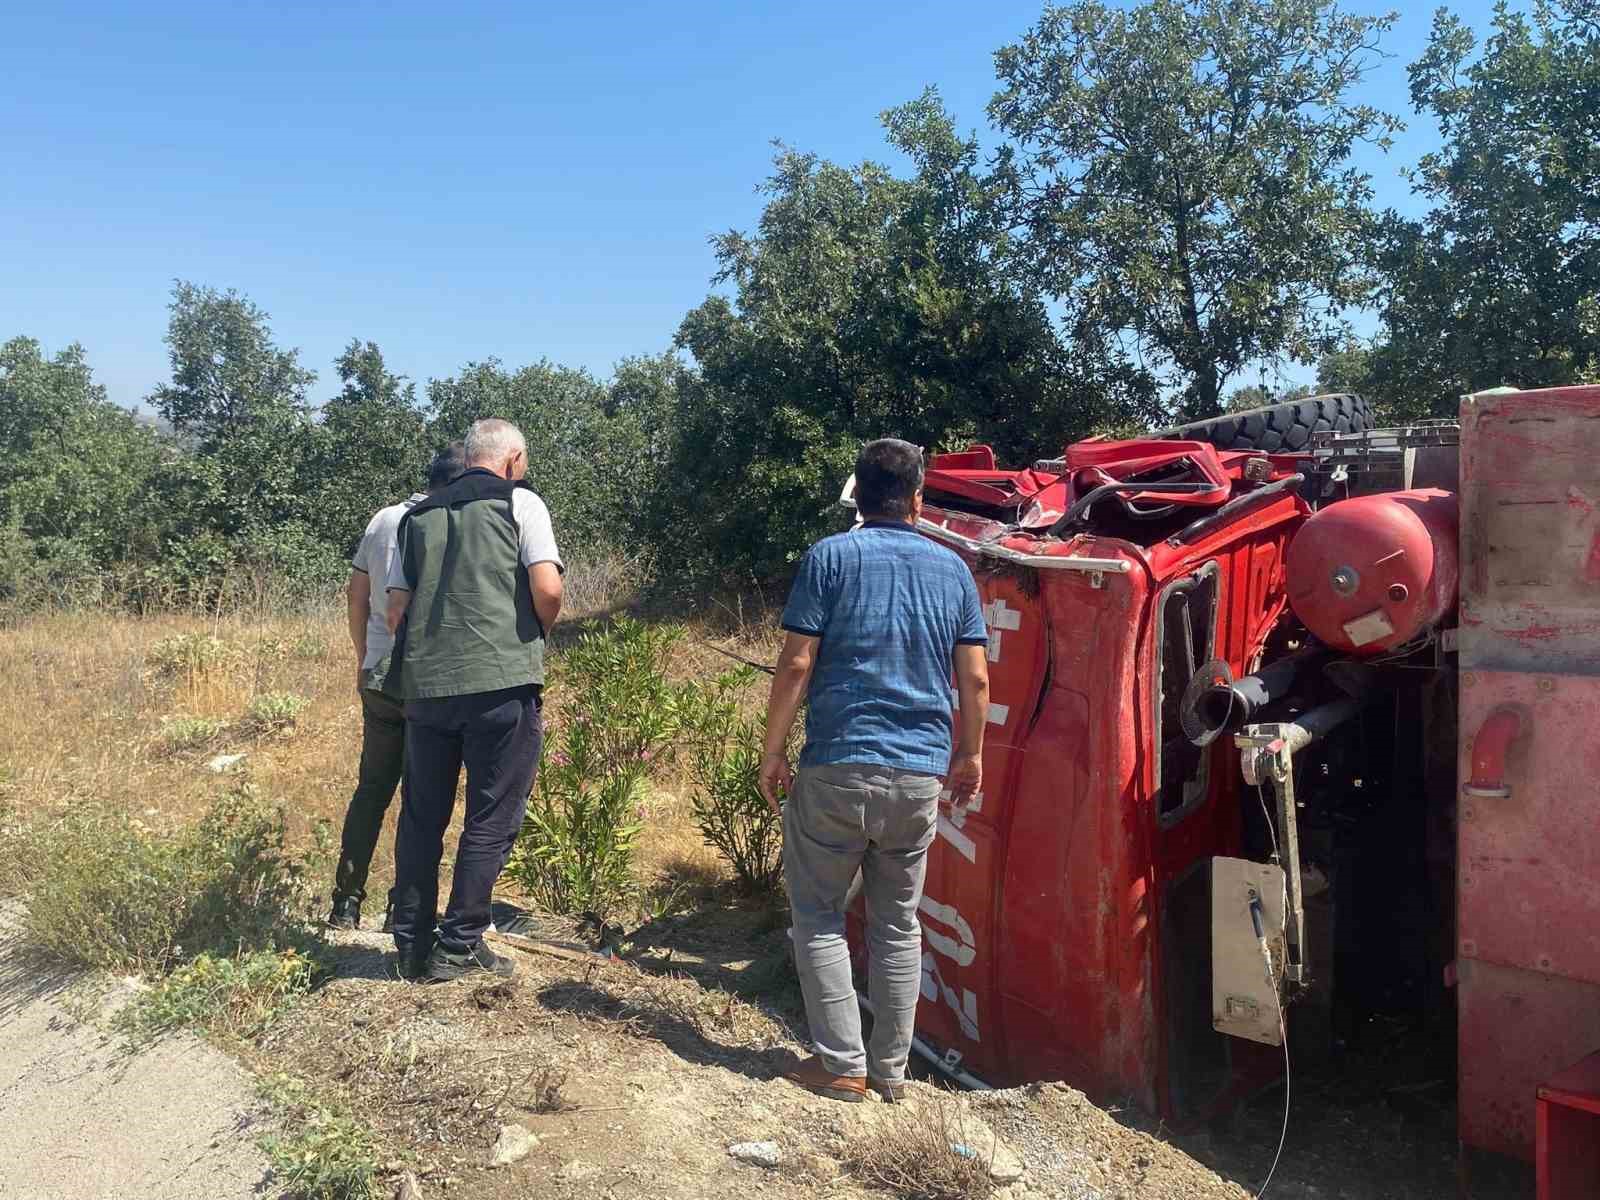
{"x": 470, "y": 626}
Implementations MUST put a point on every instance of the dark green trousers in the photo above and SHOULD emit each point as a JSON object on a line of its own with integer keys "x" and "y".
{"x": 383, "y": 761}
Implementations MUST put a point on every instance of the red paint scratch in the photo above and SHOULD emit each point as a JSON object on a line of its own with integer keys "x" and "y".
{"x": 1591, "y": 569}
{"x": 1534, "y": 633}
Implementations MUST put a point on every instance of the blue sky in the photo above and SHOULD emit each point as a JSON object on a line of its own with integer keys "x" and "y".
{"x": 450, "y": 181}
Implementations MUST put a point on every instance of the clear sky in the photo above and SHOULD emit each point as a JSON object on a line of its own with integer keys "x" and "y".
{"x": 450, "y": 181}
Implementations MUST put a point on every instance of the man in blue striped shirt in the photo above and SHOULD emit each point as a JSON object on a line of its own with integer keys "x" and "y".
{"x": 876, "y": 621}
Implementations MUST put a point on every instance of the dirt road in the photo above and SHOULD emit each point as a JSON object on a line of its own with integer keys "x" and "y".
{"x": 80, "y": 1119}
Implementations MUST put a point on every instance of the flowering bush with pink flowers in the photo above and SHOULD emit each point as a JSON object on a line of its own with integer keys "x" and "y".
{"x": 619, "y": 718}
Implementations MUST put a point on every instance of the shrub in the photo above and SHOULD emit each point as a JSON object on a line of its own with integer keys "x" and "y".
{"x": 322, "y": 1153}
{"x": 576, "y": 850}
{"x": 727, "y": 803}
{"x": 46, "y": 573}
{"x": 106, "y": 892}
{"x": 308, "y": 643}
{"x": 271, "y": 712}
{"x": 615, "y": 681}
{"x": 190, "y": 654}
{"x": 240, "y": 996}
{"x": 189, "y": 733}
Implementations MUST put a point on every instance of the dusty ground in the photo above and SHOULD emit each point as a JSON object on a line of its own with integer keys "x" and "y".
{"x": 635, "y": 1082}
{"x": 82, "y": 1120}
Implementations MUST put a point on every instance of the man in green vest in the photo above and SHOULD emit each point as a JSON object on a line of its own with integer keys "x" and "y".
{"x": 474, "y": 588}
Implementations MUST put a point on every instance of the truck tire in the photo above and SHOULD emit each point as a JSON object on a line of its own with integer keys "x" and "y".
{"x": 1280, "y": 427}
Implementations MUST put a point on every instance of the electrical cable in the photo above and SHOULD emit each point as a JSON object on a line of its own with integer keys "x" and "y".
{"x": 1283, "y": 1034}
{"x": 1272, "y": 829}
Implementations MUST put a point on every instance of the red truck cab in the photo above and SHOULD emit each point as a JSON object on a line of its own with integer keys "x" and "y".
{"x": 1062, "y": 904}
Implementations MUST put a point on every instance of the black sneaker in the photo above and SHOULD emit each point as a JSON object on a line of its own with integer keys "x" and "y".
{"x": 445, "y": 965}
{"x": 346, "y": 913}
{"x": 412, "y": 964}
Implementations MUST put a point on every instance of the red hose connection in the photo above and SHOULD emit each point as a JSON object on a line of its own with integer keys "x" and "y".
{"x": 1499, "y": 729}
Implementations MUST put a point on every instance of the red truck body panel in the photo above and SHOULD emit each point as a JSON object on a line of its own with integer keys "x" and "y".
{"x": 1528, "y": 909}
{"x": 1046, "y": 896}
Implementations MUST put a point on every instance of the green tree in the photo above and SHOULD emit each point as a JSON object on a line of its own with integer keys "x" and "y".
{"x": 864, "y": 305}
{"x": 1500, "y": 282}
{"x": 226, "y": 372}
{"x": 71, "y": 465}
{"x": 641, "y": 413}
{"x": 245, "y": 500}
{"x": 1179, "y": 177}
{"x": 1245, "y": 398}
{"x": 1346, "y": 369}
{"x": 373, "y": 444}
{"x": 561, "y": 411}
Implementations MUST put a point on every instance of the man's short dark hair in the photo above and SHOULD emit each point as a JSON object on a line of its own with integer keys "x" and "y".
{"x": 446, "y": 465}
{"x": 888, "y": 475}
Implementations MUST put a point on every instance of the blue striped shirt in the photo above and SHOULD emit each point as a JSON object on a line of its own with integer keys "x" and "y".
{"x": 890, "y": 606}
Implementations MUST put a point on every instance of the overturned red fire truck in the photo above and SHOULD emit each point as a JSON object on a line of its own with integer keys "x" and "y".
{"x": 1285, "y": 711}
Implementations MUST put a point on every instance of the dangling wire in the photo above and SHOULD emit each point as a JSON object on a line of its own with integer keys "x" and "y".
{"x": 1283, "y": 1025}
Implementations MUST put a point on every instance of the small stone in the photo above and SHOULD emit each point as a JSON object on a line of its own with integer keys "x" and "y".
{"x": 980, "y": 1142}
{"x": 513, "y": 1145}
{"x": 576, "y": 1169}
{"x": 759, "y": 1154}
{"x": 223, "y": 763}
{"x": 409, "y": 1188}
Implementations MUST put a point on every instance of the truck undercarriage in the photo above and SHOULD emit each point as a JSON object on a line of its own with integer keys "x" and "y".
{"x": 1251, "y": 769}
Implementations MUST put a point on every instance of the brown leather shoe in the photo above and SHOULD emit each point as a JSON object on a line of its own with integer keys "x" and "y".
{"x": 814, "y": 1077}
{"x": 892, "y": 1093}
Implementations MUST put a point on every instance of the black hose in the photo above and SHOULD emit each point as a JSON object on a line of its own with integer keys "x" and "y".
{"x": 1086, "y": 502}
{"x": 1225, "y": 706}
{"x": 1198, "y": 529}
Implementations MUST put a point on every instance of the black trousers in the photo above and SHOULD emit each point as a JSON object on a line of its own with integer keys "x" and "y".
{"x": 496, "y": 736}
{"x": 383, "y": 749}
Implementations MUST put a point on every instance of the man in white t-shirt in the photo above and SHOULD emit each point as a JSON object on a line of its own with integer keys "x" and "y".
{"x": 383, "y": 734}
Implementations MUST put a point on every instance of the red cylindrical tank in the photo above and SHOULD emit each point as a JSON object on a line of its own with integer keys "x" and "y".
{"x": 1370, "y": 573}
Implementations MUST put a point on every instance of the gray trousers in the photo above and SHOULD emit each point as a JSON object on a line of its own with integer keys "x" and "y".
{"x": 880, "y": 821}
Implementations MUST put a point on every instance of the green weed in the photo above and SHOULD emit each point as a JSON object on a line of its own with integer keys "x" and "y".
{"x": 239, "y": 996}
{"x": 273, "y": 712}
{"x": 107, "y": 892}
{"x": 725, "y": 766}
{"x": 576, "y": 850}
{"x": 190, "y": 654}
{"x": 321, "y": 1153}
{"x": 180, "y": 733}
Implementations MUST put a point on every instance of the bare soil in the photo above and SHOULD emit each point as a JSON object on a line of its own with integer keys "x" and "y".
{"x": 636, "y": 1080}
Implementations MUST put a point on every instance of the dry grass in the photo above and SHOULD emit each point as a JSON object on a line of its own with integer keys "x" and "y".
{"x": 925, "y": 1153}
{"x": 88, "y": 695}
{"x": 101, "y": 705}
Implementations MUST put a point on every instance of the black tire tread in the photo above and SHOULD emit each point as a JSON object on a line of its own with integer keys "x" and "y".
{"x": 1279, "y": 428}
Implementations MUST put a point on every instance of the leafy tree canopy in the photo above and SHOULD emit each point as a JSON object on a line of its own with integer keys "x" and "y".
{"x": 1500, "y": 282}
{"x": 1178, "y": 177}
{"x": 226, "y": 372}
{"x": 864, "y": 305}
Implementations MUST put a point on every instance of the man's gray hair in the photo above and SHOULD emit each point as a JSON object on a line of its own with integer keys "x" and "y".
{"x": 491, "y": 441}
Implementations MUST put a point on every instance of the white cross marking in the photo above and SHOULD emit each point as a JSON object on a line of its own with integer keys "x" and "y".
{"x": 998, "y": 713}
{"x": 999, "y": 617}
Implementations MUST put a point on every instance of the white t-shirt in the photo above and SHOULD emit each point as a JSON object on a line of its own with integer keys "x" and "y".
{"x": 536, "y": 538}
{"x": 374, "y": 556}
